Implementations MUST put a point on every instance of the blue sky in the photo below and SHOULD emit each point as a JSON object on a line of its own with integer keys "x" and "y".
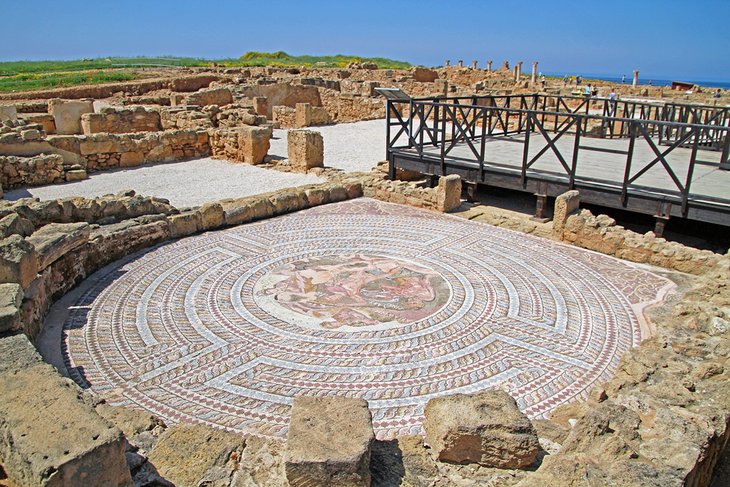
{"x": 663, "y": 39}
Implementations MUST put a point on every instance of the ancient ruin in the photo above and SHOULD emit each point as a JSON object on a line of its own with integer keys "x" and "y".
{"x": 372, "y": 328}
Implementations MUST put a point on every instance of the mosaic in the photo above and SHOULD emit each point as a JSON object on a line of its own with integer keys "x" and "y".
{"x": 361, "y": 298}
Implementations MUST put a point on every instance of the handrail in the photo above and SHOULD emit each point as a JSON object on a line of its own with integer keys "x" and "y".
{"x": 445, "y": 124}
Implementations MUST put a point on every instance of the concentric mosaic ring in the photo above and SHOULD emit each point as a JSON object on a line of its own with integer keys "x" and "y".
{"x": 360, "y": 298}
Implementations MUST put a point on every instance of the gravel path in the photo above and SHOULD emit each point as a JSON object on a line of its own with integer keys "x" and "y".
{"x": 351, "y": 147}
{"x": 354, "y": 146}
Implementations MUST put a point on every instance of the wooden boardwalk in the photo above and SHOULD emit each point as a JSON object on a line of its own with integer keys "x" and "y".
{"x": 678, "y": 180}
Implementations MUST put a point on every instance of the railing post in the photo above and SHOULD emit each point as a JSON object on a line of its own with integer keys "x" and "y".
{"x": 525, "y": 149}
{"x": 629, "y": 157}
{"x": 410, "y": 123}
{"x": 724, "y": 162}
{"x": 690, "y": 171}
{"x": 436, "y": 108}
{"x": 574, "y": 162}
{"x": 388, "y": 142}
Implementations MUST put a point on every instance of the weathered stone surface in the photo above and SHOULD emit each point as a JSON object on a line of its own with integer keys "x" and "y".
{"x": 565, "y": 205}
{"x": 50, "y": 436}
{"x": 329, "y": 442}
{"x": 211, "y": 96}
{"x": 186, "y": 223}
{"x": 486, "y": 428}
{"x": 262, "y": 464}
{"x": 30, "y": 171}
{"x": 121, "y": 120}
{"x": 186, "y": 454}
{"x": 448, "y": 193}
{"x": 56, "y": 239}
{"x": 424, "y": 75}
{"x": 18, "y": 261}
{"x": 67, "y": 114}
{"x": 8, "y": 113}
{"x": 305, "y": 149}
{"x": 242, "y": 144}
{"x": 303, "y": 115}
{"x": 11, "y": 296}
{"x": 15, "y": 224}
{"x": 130, "y": 421}
{"x": 212, "y": 216}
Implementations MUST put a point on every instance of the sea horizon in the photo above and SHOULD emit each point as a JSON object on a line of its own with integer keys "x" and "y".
{"x": 645, "y": 80}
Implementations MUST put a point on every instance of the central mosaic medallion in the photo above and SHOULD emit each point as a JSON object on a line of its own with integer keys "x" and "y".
{"x": 351, "y": 292}
{"x": 362, "y": 299}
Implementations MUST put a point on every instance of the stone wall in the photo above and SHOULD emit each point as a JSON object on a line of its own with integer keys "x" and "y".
{"x": 106, "y": 151}
{"x": 121, "y": 121}
{"x": 600, "y": 233}
{"x": 284, "y": 117}
{"x": 210, "y": 96}
{"x": 30, "y": 171}
{"x": 242, "y": 144}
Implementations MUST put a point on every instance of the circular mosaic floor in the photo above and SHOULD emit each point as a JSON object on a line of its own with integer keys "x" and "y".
{"x": 359, "y": 298}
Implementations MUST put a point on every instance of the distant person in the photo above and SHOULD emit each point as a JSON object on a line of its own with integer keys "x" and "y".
{"x": 717, "y": 94}
{"x": 623, "y": 78}
{"x": 588, "y": 90}
{"x": 565, "y": 80}
{"x": 542, "y": 80}
{"x": 577, "y": 80}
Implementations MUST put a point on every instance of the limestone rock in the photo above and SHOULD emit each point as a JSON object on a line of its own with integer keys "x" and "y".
{"x": 76, "y": 175}
{"x": 565, "y": 205}
{"x": 329, "y": 442}
{"x": 67, "y": 114}
{"x": 305, "y": 149}
{"x": 485, "y": 428}
{"x": 186, "y": 223}
{"x": 212, "y": 216}
{"x": 11, "y": 296}
{"x": 15, "y": 224}
{"x": 51, "y": 437}
{"x": 187, "y": 453}
{"x": 129, "y": 420}
{"x": 18, "y": 261}
{"x": 448, "y": 193}
{"x": 56, "y": 239}
{"x": 262, "y": 464}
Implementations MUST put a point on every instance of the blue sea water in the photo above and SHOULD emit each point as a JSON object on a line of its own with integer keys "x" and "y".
{"x": 725, "y": 85}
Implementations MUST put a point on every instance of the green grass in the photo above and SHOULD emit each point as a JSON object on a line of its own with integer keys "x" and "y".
{"x": 40, "y": 81}
{"x": 37, "y": 75}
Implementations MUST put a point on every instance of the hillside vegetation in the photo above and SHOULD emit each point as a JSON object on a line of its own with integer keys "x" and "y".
{"x": 37, "y": 75}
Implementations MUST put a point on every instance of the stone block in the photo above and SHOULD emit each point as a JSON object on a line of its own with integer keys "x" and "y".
{"x": 67, "y": 114}
{"x": 50, "y": 436}
{"x": 253, "y": 143}
{"x": 8, "y": 113}
{"x": 303, "y": 115}
{"x": 566, "y": 204}
{"x": 424, "y": 75}
{"x": 131, "y": 159}
{"x": 185, "y": 224}
{"x": 54, "y": 240}
{"x": 262, "y": 464}
{"x": 212, "y": 216}
{"x": 329, "y": 442}
{"x": 18, "y": 261}
{"x": 11, "y": 296}
{"x": 485, "y": 428}
{"x": 238, "y": 214}
{"x": 448, "y": 193}
{"x": 14, "y": 224}
{"x": 76, "y": 175}
{"x": 305, "y": 149}
{"x": 210, "y": 96}
{"x": 261, "y": 105}
{"x": 187, "y": 453}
